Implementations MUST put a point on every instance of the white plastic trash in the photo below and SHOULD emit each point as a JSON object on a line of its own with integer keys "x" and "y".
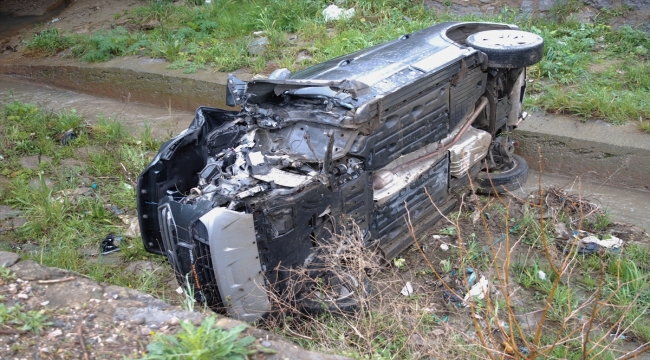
{"x": 333, "y": 13}
{"x": 541, "y": 275}
{"x": 478, "y": 290}
{"x": 611, "y": 243}
{"x": 407, "y": 290}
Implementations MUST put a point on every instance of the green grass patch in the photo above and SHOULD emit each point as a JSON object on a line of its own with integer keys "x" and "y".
{"x": 79, "y": 193}
{"x": 194, "y": 36}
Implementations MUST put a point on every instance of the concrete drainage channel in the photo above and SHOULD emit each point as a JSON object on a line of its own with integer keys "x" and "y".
{"x": 594, "y": 152}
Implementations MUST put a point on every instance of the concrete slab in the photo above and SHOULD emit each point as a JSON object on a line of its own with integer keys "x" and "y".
{"x": 595, "y": 151}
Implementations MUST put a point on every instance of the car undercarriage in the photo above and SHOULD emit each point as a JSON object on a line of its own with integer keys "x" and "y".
{"x": 241, "y": 198}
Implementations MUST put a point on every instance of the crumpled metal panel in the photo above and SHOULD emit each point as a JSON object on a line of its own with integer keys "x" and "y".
{"x": 236, "y": 263}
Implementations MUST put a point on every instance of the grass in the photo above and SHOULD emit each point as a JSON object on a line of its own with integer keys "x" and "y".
{"x": 580, "y": 300}
{"x": 69, "y": 200}
{"x": 203, "y": 342}
{"x": 589, "y": 69}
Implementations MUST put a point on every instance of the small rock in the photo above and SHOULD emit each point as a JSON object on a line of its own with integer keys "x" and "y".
{"x": 7, "y": 259}
{"x": 92, "y": 317}
{"x": 145, "y": 331}
{"x": 258, "y": 46}
{"x": 23, "y": 296}
{"x": 58, "y": 323}
{"x": 266, "y": 343}
{"x": 30, "y": 270}
{"x": 174, "y": 321}
{"x": 303, "y": 55}
{"x": 55, "y": 334}
{"x": 142, "y": 266}
{"x": 151, "y": 25}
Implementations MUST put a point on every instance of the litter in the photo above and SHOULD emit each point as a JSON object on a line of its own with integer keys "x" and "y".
{"x": 541, "y": 275}
{"x": 407, "y": 290}
{"x": 110, "y": 244}
{"x": 471, "y": 278}
{"x": 588, "y": 243}
{"x": 478, "y": 290}
{"x": 68, "y": 137}
{"x": 452, "y": 298}
{"x": 333, "y": 13}
{"x": 612, "y": 243}
{"x": 444, "y": 247}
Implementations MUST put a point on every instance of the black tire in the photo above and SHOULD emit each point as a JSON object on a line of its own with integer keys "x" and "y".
{"x": 503, "y": 181}
{"x": 508, "y": 48}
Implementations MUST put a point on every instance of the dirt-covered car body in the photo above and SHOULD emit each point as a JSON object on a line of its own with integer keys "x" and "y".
{"x": 242, "y": 197}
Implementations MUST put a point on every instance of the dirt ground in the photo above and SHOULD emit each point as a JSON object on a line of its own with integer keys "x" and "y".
{"x": 80, "y": 16}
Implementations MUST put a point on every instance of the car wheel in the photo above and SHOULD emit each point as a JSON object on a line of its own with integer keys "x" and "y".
{"x": 508, "y": 48}
{"x": 340, "y": 293}
{"x": 509, "y": 179}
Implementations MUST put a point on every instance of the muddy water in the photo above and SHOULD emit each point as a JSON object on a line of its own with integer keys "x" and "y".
{"x": 627, "y": 205}
{"x": 165, "y": 122}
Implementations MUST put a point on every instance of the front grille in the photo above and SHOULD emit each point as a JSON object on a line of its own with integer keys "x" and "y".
{"x": 188, "y": 251}
{"x": 203, "y": 265}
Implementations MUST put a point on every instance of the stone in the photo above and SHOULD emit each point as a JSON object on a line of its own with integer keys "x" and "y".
{"x": 637, "y": 4}
{"x": 30, "y": 270}
{"x": 142, "y": 267}
{"x": 600, "y": 4}
{"x": 546, "y": 5}
{"x": 8, "y": 259}
{"x": 258, "y": 46}
{"x": 303, "y": 55}
{"x": 527, "y": 6}
{"x": 586, "y": 15}
{"x": 34, "y": 161}
{"x": 41, "y": 183}
{"x": 83, "y": 289}
{"x": 150, "y": 25}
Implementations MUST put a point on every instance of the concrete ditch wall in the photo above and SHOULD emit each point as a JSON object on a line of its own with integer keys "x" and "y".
{"x": 130, "y": 79}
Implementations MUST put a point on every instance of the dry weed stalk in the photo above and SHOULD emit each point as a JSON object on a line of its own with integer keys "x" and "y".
{"x": 501, "y": 339}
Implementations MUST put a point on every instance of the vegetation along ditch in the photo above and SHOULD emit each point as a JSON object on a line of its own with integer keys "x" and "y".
{"x": 590, "y": 68}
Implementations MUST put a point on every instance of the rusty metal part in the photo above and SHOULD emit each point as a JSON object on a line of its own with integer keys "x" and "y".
{"x": 479, "y": 108}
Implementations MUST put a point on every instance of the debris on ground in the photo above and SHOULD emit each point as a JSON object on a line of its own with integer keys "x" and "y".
{"x": 407, "y": 290}
{"x": 110, "y": 244}
{"x": 333, "y": 13}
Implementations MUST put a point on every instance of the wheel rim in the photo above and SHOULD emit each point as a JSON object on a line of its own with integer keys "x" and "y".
{"x": 504, "y": 38}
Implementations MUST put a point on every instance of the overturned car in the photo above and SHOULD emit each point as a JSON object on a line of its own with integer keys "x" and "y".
{"x": 242, "y": 197}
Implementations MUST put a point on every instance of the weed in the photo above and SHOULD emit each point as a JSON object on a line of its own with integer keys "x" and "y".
{"x": 22, "y": 319}
{"x": 48, "y": 42}
{"x": 203, "y": 342}
{"x": 399, "y": 263}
